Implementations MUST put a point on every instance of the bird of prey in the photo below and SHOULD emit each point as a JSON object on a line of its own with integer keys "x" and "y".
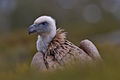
{"x": 54, "y": 50}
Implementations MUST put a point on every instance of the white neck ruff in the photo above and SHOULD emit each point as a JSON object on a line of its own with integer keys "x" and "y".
{"x": 43, "y": 42}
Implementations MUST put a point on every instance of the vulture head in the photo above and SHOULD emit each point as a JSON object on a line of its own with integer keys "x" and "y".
{"x": 43, "y": 26}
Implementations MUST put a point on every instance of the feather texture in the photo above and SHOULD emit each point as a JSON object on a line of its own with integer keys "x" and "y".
{"x": 62, "y": 52}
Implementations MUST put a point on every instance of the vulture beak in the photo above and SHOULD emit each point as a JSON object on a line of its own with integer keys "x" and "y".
{"x": 32, "y": 29}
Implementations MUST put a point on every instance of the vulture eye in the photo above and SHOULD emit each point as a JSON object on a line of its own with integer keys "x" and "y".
{"x": 44, "y": 23}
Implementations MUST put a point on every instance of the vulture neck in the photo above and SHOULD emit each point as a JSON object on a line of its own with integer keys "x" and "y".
{"x": 44, "y": 41}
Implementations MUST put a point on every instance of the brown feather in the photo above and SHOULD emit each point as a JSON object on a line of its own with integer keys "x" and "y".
{"x": 61, "y": 51}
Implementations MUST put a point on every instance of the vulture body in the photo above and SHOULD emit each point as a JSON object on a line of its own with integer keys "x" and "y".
{"x": 55, "y": 51}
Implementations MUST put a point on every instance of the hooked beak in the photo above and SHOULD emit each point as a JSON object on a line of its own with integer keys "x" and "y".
{"x": 32, "y": 29}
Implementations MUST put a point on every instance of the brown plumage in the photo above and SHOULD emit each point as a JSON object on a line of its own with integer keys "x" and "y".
{"x": 61, "y": 52}
{"x": 55, "y": 51}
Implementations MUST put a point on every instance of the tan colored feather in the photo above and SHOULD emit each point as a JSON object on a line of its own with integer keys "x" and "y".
{"x": 38, "y": 62}
{"x": 62, "y": 53}
{"x": 90, "y": 49}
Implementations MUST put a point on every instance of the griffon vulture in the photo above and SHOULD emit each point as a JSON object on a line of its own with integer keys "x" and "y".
{"x": 54, "y": 50}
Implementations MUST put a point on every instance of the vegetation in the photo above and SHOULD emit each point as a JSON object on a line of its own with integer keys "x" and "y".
{"x": 18, "y": 48}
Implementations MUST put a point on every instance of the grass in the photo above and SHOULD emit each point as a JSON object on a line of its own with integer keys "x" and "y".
{"x": 17, "y": 49}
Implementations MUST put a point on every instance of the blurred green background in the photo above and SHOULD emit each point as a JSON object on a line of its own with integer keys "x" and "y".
{"x": 97, "y": 20}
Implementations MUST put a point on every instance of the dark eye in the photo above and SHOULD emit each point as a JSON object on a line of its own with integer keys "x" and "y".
{"x": 44, "y": 23}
